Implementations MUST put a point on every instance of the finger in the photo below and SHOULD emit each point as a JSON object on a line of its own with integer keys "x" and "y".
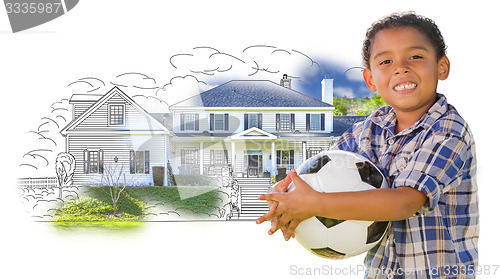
{"x": 271, "y": 197}
{"x": 282, "y": 185}
{"x": 265, "y": 217}
{"x": 291, "y": 229}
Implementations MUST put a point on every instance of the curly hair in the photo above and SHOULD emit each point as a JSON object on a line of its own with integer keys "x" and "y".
{"x": 407, "y": 19}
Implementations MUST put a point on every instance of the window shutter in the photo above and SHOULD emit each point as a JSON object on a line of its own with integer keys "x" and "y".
{"x": 246, "y": 121}
{"x": 212, "y": 122}
{"x": 292, "y": 122}
{"x": 101, "y": 161}
{"x": 322, "y": 122}
{"x": 132, "y": 161}
{"x": 308, "y": 121}
{"x": 183, "y": 156}
{"x": 226, "y": 121}
{"x": 182, "y": 121}
{"x": 278, "y": 157}
{"x": 260, "y": 121}
{"x": 278, "y": 120}
{"x": 86, "y": 163}
{"x": 212, "y": 157}
{"x": 146, "y": 161}
{"x": 197, "y": 122}
{"x": 292, "y": 157}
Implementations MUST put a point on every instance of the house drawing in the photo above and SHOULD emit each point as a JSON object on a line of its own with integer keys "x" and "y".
{"x": 253, "y": 128}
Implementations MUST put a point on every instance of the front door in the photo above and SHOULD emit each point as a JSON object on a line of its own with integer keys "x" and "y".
{"x": 253, "y": 165}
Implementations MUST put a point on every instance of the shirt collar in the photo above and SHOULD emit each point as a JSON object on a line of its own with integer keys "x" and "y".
{"x": 385, "y": 117}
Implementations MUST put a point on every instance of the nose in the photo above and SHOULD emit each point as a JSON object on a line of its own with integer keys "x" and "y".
{"x": 401, "y": 68}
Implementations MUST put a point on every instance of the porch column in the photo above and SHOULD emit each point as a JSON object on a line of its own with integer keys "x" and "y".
{"x": 201, "y": 158}
{"x": 233, "y": 157}
{"x": 273, "y": 160}
{"x": 304, "y": 151}
{"x": 166, "y": 181}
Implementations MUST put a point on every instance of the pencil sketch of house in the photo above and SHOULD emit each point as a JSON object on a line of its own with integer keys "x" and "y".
{"x": 253, "y": 128}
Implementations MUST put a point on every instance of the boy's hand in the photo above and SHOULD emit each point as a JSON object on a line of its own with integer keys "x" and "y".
{"x": 280, "y": 187}
{"x": 290, "y": 208}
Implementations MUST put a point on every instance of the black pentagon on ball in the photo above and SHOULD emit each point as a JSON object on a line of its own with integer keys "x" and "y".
{"x": 370, "y": 174}
{"x": 313, "y": 165}
{"x": 327, "y": 222}
{"x": 328, "y": 253}
{"x": 375, "y": 231}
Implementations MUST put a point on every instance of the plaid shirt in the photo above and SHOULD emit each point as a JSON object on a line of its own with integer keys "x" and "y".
{"x": 436, "y": 156}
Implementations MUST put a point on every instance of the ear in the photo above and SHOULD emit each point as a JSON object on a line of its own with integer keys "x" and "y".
{"x": 443, "y": 68}
{"x": 367, "y": 75}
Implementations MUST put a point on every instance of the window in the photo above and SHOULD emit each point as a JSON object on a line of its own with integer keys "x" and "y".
{"x": 218, "y": 157}
{"x": 285, "y": 159}
{"x": 219, "y": 122}
{"x": 253, "y": 120}
{"x": 93, "y": 161}
{"x": 315, "y": 122}
{"x": 285, "y": 122}
{"x": 189, "y": 121}
{"x": 189, "y": 156}
{"x": 116, "y": 115}
{"x": 139, "y": 161}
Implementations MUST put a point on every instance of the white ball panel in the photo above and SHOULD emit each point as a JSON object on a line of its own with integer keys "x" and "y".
{"x": 311, "y": 233}
{"x": 347, "y": 236}
{"x": 339, "y": 180}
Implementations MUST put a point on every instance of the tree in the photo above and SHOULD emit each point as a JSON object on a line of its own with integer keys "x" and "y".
{"x": 65, "y": 168}
{"x": 115, "y": 179}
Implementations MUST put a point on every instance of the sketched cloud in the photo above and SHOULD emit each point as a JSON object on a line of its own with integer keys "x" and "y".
{"x": 45, "y": 142}
{"x": 86, "y": 85}
{"x": 180, "y": 88}
{"x": 256, "y": 62}
{"x": 135, "y": 80}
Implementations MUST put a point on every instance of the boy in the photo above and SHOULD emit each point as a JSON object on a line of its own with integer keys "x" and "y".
{"x": 425, "y": 150}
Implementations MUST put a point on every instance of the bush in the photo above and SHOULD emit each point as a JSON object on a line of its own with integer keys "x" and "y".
{"x": 84, "y": 209}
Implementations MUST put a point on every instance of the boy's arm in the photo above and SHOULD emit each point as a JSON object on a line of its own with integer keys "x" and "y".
{"x": 304, "y": 202}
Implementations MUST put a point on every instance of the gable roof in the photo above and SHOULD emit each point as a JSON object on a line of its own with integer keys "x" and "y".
{"x": 254, "y": 133}
{"x": 251, "y": 93}
{"x": 106, "y": 97}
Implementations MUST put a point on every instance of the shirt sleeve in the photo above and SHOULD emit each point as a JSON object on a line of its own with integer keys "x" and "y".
{"x": 434, "y": 169}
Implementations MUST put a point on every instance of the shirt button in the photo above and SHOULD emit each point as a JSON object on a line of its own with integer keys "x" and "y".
{"x": 390, "y": 141}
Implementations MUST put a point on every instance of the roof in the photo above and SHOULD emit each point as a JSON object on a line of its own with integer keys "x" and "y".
{"x": 103, "y": 99}
{"x": 251, "y": 93}
{"x": 85, "y": 98}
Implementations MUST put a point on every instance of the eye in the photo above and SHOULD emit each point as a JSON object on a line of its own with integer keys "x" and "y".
{"x": 416, "y": 57}
{"x": 385, "y": 62}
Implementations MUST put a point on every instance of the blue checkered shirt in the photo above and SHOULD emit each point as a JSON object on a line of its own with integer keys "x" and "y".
{"x": 436, "y": 156}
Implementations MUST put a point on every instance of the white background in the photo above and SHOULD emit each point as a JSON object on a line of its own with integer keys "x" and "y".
{"x": 106, "y": 38}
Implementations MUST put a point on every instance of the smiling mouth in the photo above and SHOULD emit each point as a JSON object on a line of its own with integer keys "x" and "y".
{"x": 405, "y": 86}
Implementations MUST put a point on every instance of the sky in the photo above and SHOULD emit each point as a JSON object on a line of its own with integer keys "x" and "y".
{"x": 156, "y": 49}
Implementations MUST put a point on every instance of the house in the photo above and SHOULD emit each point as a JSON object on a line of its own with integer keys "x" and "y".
{"x": 254, "y": 127}
{"x": 113, "y": 130}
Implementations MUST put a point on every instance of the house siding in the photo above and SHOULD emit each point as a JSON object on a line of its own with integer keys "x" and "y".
{"x": 237, "y": 122}
{"x": 116, "y": 146}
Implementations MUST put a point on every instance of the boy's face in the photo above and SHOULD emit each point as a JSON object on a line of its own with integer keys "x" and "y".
{"x": 405, "y": 69}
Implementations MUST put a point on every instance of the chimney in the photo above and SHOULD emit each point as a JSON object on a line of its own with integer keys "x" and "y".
{"x": 286, "y": 82}
{"x": 327, "y": 90}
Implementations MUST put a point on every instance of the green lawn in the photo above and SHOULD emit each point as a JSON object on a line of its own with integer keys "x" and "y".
{"x": 94, "y": 211}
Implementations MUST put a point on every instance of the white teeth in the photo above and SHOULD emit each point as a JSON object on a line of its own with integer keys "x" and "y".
{"x": 405, "y": 86}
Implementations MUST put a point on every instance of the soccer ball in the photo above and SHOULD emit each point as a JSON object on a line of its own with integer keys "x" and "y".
{"x": 339, "y": 171}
